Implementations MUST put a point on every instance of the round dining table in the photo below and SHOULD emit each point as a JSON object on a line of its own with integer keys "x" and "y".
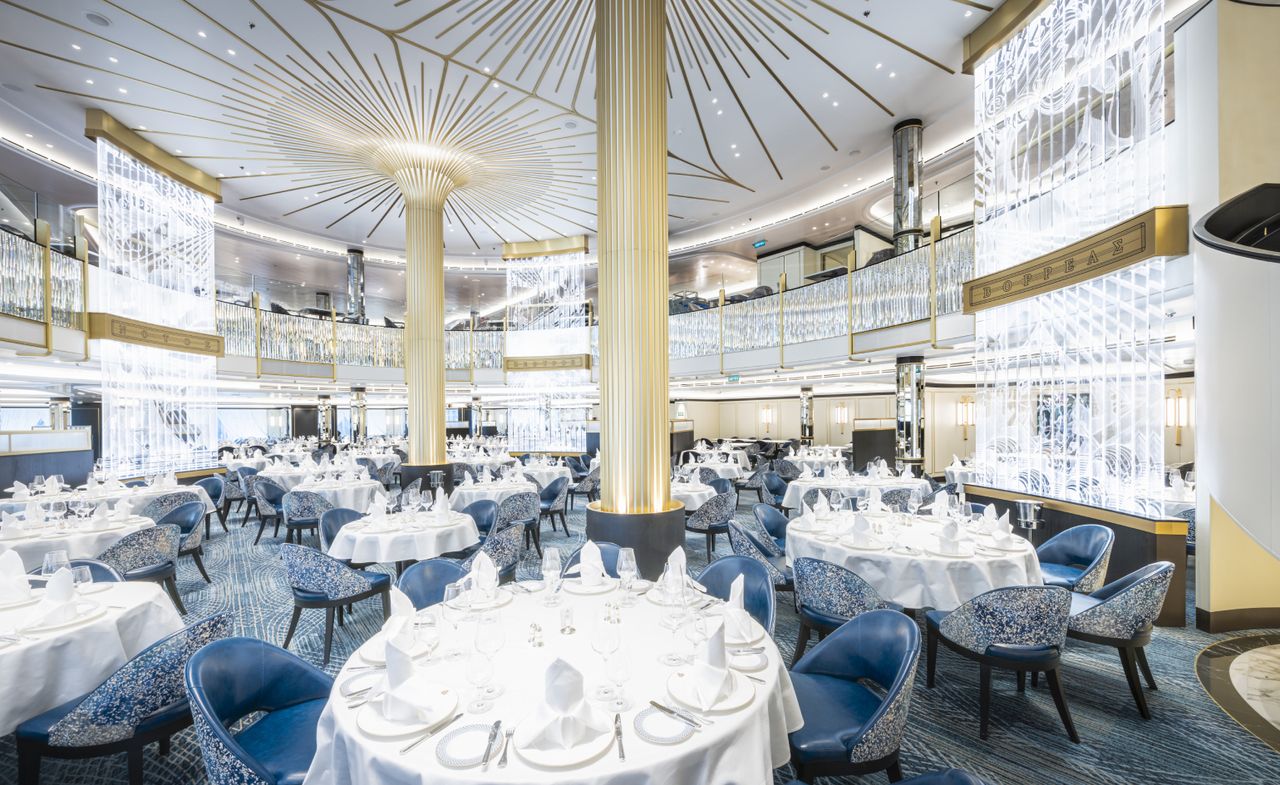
{"x": 137, "y": 497}
{"x": 352, "y": 494}
{"x": 257, "y": 463}
{"x": 403, "y": 536}
{"x": 853, "y": 485}
{"x": 81, "y": 539}
{"x": 43, "y": 667}
{"x": 816, "y": 462}
{"x": 691, "y": 494}
{"x": 546, "y": 474}
{"x": 495, "y": 491}
{"x": 904, "y": 562}
{"x": 725, "y": 469}
{"x": 743, "y": 745}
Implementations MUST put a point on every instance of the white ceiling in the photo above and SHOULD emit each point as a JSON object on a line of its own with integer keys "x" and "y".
{"x": 765, "y": 100}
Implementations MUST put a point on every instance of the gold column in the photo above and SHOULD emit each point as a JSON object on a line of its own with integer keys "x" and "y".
{"x": 631, "y": 150}
{"x": 424, "y": 330}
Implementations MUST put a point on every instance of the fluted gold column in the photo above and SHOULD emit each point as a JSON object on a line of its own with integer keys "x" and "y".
{"x": 632, "y": 159}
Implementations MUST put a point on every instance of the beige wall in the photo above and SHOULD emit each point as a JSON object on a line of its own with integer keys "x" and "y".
{"x": 1175, "y": 454}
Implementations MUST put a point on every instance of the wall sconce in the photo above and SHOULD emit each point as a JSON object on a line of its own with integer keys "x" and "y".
{"x": 965, "y": 415}
{"x": 766, "y": 418}
{"x": 681, "y": 412}
{"x": 1175, "y": 413}
{"x": 841, "y": 415}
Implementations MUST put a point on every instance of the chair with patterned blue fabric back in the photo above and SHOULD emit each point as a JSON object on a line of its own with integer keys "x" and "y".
{"x": 1121, "y": 614}
{"x": 896, "y": 499}
{"x": 270, "y": 501}
{"x": 1190, "y": 517}
{"x": 828, "y": 595}
{"x": 755, "y": 482}
{"x": 302, "y": 511}
{"x": 188, "y": 517}
{"x": 757, "y": 586}
{"x": 775, "y": 489}
{"x": 144, "y": 701}
{"x": 159, "y": 506}
{"x": 424, "y": 581}
{"x": 1018, "y": 628}
{"x": 248, "y": 478}
{"x": 713, "y": 518}
{"x": 503, "y": 546}
{"x": 588, "y": 486}
{"x": 707, "y": 475}
{"x": 854, "y": 691}
{"x": 1077, "y": 559}
{"x": 523, "y": 507}
{"x": 321, "y": 581}
{"x": 215, "y": 486}
{"x": 235, "y": 678}
{"x": 939, "y": 777}
{"x": 745, "y": 543}
{"x": 148, "y": 555}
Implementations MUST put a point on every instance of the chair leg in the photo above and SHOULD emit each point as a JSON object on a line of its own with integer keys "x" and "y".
{"x": 1055, "y": 686}
{"x": 198, "y": 557}
{"x": 222, "y": 514}
{"x": 1035, "y": 678}
{"x": 262, "y": 526}
{"x": 250, "y": 505}
{"x": 171, "y": 586}
{"x": 207, "y": 517}
{"x": 135, "y": 765}
{"x": 984, "y": 698}
{"x": 710, "y": 546}
{"x": 1141, "y": 653}
{"x": 1022, "y": 681}
{"x": 276, "y": 519}
{"x": 28, "y": 765}
{"x": 293, "y": 625}
{"x": 931, "y": 656}
{"x": 894, "y": 772}
{"x": 340, "y": 619}
{"x": 564, "y": 524}
{"x": 328, "y": 635}
{"x": 802, "y": 640}
{"x": 166, "y": 744}
{"x": 1129, "y": 661}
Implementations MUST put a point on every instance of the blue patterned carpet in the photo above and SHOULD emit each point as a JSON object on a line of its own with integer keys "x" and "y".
{"x": 1189, "y": 740}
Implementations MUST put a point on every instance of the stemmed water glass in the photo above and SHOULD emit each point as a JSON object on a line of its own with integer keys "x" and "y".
{"x": 551, "y": 576}
{"x": 913, "y": 503}
{"x": 81, "y": 577}
{"x": 54, "y": 561}
{"x": 453, "y": 612}
{"x": 627, "y": 573}
{"x": 674, "y": 618}
{"x": 605, "y": 640}
{"x": 490, "y": 638}
{"x": 37, "y": 483}
{"x": 619, "y": 671}
{"x": 479, "y": 674}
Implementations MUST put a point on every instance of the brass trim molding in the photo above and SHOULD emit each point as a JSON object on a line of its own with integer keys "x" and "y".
{"x": 553, "y": 247}
{"x": 100, "y": 125}
{"x": 1160, "y": 231}
{"x": 1165, "y": 526}
{"x": 554, "y": 362}
{"x": 107, "y": 326}
{"x": 1000, "y": 25}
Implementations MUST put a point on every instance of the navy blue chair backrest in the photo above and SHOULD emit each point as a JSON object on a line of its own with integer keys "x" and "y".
{"x": 1079, "y": 545}
{"x": 332, "y": 521}
{"x": 757, "y": 586}
{"x": 721, "y": 485}
{"x": 212, "y": 486}
{"x": 553, "y": 489}
{"x": 773, "y": 520}
{"x": 774, "y": 484}
{"x": 424, "y": 582}
{"x": 184, "y": 516}
{"x": 608, "y": 556}
{"x": 484, "y": 512}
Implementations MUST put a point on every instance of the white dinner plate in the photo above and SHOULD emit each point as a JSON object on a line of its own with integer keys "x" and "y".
{"x": 862, "y": 545}
{"x": 967, "y": 551}
{"x": 680, "y": 686}
{"x": 1017, "y": 547}
{"x": 657, "y": 597}
{"x": 30, "y": 600}
{"x": 86, "y": 611}
{"x": 559, "y": 759}
{"x": 757, "y": 635}
{"x": 657, "y": 727}
{"x": 374, "y": 651}
{"x": 360, "y": 681}
{"x": 94, "y": 588}
{"x": 500, "y": 598}
{"x": 748, "y": 663}
{"x": 369, "y": 718}
{"x": 576, "y": 586}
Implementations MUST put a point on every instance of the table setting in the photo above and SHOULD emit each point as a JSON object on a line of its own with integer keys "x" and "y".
{"x": 728, "y": 470}
{"x": 61, "y": 633}
{"x": 580, "y": 678}
{"x": 97, "y": 490}
{"x": 1179, "y": 495}
{"x": 413, "y": 533}
{"x": 691, "y": 493}
{"x": 737, "y": 455}
{"x": 845, "y": 484}
{"x": 488, "y": 487}
{"x": 940, "y": 560}
{"x": 342, "y": 489}
{"x": 546, "y": 470}
{"x": 80, "y": 528}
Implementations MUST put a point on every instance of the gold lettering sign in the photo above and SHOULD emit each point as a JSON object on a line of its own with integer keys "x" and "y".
{"x": 557, "y": 362}
{"x": 1160, "y": 231}
{"x": 106, "y": 326}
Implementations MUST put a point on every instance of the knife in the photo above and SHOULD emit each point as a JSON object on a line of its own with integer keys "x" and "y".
{"x": 429, "y": 734}
{"x": 617, "y": 734}
{"x": 488, "y": 748}
{"x": 692, "y": 723}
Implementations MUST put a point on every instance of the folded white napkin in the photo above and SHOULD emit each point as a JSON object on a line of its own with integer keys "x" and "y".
{"x": 821, "y": 506}
{"x": 989, "y": 512}
{"x": 589, "y": 566}
{"x": 58, "y": 604}
{"x": 51, "y": 485}
{"x": 907, "y": 473}
{"x": 738, "y": 625}
{"x": 483, "y": 576}
{"x": 712, "y": 681}
{"x": 466, "y": 479}
{"x": 122, "y": 510}
{"x": 11, "y": 527}
{"x": 406, "y": 696}
{"x": 873, "y": 501}
{"x": 676, "y": 575}
{"x": 101, "y": 517}
{"x": 563, "y": 718}
{"x": 806, "y": 473}
{"x": 941, "y": 504}
{"x": 949, "y": 539}
{"x": 14, "y": 586}
{"x": 379, "y": 504}
{"x": 861, "y": 528}
{"x": 441, "y": 505}
{"x": 34, "y": 513}
{"x": 955, "y": 462}
{"x": 21, "y": 491}
{"x": 1176, "y": 483}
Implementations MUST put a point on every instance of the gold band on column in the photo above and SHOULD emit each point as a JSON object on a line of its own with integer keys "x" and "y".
{"x": 632, "y": 154}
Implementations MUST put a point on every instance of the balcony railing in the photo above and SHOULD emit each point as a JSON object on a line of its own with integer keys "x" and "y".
{"x": 912, "y": 287}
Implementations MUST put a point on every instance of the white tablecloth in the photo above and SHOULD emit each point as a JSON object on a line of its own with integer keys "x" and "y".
{"x": 691, "y": 495}
{"x": 352, "y": 494}
{"x": 288, "y": 478}
{"x": 464, "y": 495}
{"x": 963, "y": 475}
{"x": 138, "y": 497}
{"x": 729, "y": 471}
{"x": 737, "y": 456}
{"x": 815, "y": 463}
{"x": 36, "y": 675}
{"x": 493, "y": 462}
{"x": 742, "y": 747}
{"x": 545, "y": 474}
{"x": 916, "y": 580}
{"x": 1176, "y": 503}
{"x": 79, "y": 541}
{"x": 257, "y": 464}
{"x": 379, "y": 459}
{"x": 403, "y": 537}
{"x": 849, "y": 486}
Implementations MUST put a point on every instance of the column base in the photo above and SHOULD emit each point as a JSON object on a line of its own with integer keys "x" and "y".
{"x": 411, "y": 472}
{"x": 653, "y": 535}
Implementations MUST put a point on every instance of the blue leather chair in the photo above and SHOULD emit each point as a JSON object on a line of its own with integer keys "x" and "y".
{"x": 721, "y": 485}
{"x": 713, "y": 518}
{"x": 269, "y": 496}
{"x": 523, "y": 508}
{"x": 757, "y": 586}
{"x": 142, "y": 702}
{"x": 424, "y": 581}
{"x": 828, "y": 595}
{"x": 233, "y": 678}
{"x": 188, "y": 518}
{"x": 503, "y": 547}
{"x": 302, "y": 511}
{"x": 1017, "y": 628}
{"x": 321, "y": 581}
{"x": 552, "y": 501}
{"x": 332, "y": 521}
{"x": 941, "y": 777}
{"x": 744, "y": 543}
{"x": 484, "y": 512}
{"x": 1077, "y": 558}
{"x": 1120, "y": 614}
{"x": 608, "y": 556}
{"x": 775, "y": 489}
{"x": 148, "y": 555}
{"x": 576, "y": 467}
{"x": 772, "y": 521}
{"x": 101, "y": 571}
{"x": 248, "y": 478}
{"x": 854, "y": 690}
{"x": 215, "y": 486}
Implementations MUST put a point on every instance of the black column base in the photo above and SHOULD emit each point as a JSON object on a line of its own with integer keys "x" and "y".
{"x": 653, "y": 535}
{"x": 410, "y": 472}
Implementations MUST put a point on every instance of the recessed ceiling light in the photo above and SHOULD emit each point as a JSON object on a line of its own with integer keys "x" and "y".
{"x": 828, "y": 223}
{"x": 733, "y": 147}
{"x": 813, "y": 228}
{"x": 201, "y": 34}
{"x": 231, "y": 52}
{"x": 98, "y": 19}
{"x": 495, "y": 85}
{"x": 29, "y": 136}
{"x": 879, "y": 66}
{"x": 220, "y": 174}
{"x": 237, "y": 260}
{"x": 570, "y": 124}
{"x": 715, "y": 100}
{"x": 88, "y": 81}
{"x": 114, "y": 59}
{"x": 835, "y": 103}
{"x": 179, "y": 151}
{"x": 297, "y": 256}
{"x": 737, "y": 155}
{"x": 719, "y": 111}
{"x": 49, "y": 146}
{"x": 844, "y": 185}
{"x": 824, "y": 95}
{"x": 486, "y": 69}
{"x": 76, "y": 47}
{"x": 892, "y": 74}
{"x": 859, "y": 179}
{"x": 142, "y": 128}
{"x": 122, "y": 90}
{"x": 968, "y": 13}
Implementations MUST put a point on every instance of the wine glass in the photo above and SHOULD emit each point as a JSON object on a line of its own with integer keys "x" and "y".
{"x": 479, "y": 674}
{"x": 490, "y": 638}
{"x": 551, "y": 576}
{"x": 81, "y": 577}
{"x": 37, "y": 483}
{"x": 627, "y": 573}
{"x": 675, "y": 618}
{"x": 913, "y": 503}
{"x": 452, "y": 611}
{"x": 54, "y": 561}
{"x": 696, "y": 633}
{"x": 618, "y": 671}
{"x": 605, "y": 640}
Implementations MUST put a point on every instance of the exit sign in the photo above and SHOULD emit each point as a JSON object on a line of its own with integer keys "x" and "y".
{"x": 735, "y": 378}
{"x": 758, "y": 244}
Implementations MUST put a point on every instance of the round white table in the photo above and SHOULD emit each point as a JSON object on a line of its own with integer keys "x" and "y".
{"x": 855, "y": 485}
{"x": 352, "y": 494}
{"x": 379, "y": 459}
{"x": 815, "y": 463}
{"x": 963, "y": 475}
{"x": 50, "y": 668}
{"x": 137, "y": 497}
{"x": 496, "y": 491}
{"x": 288, "y": 478}
{"x": 545, "y": 474}
{"x": 724, "y": 469}
{"x": 79, "y": 539}
{"x": 404, "y": 537}
{"x": 915, "y": 578}
{"x": 691, "y": 495}
{"x": 742, "y": 746}
{"x": 737, "y": 456}
{"x": 491, "y": 462}
{"x": 257, "y": 464}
